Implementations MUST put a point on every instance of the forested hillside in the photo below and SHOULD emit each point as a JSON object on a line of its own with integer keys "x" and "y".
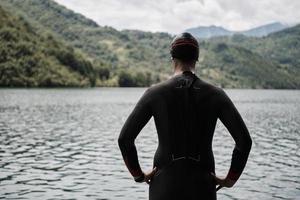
{"x": 29, "y": 59}
{"x": 129, "y": 58}
{"x": 282, "y": 49}
{"x": 237, "y": 67}
{"x": 137, "y": 58}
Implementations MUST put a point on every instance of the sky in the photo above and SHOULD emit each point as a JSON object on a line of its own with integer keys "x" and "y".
{"x": 175, "y": 16}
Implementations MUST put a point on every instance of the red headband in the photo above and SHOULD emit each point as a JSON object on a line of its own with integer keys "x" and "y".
{"x": 185, "y": 41}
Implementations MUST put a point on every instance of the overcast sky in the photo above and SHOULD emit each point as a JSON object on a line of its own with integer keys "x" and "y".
{"x": 175, "y": 16}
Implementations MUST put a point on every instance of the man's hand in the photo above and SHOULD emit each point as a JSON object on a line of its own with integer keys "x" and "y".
{"x": 223, "y": 182}
{"x": 148, "y": 176}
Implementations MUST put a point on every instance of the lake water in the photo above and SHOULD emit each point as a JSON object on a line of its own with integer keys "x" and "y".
{"x": 62, "y": 144}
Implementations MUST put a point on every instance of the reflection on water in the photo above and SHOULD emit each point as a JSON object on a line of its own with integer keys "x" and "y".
{"x": 61, "y": 143}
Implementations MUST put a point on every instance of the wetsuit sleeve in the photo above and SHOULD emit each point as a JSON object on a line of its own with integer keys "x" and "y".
{"x": 234, "y": 123}
{"x": 137, "y": 119}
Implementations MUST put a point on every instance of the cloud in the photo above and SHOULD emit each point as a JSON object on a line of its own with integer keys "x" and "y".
{"x": 175, "y": 16}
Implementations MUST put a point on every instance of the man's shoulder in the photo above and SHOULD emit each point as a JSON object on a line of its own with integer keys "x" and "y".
{"x": 211, "y": 88}
{"x": 171, "y": 83}
{"x": 156, "y": 87}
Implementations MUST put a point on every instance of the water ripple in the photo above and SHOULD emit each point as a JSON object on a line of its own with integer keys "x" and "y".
{"x": 61, "y": 144}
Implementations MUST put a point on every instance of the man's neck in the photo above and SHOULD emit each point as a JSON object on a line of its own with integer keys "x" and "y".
{"x": 180, "y": 70}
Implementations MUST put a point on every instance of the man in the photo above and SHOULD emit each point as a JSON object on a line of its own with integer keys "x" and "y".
{"x": 185, "y": 110}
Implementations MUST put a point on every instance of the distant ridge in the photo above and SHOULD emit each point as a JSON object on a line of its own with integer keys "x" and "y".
{"x": 265, "y": 29}
{"x": 215, "y": 31}
{"x": 209, "y": 31}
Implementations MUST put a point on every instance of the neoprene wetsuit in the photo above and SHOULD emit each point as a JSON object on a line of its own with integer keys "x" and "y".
{"x": 185, "y": 111}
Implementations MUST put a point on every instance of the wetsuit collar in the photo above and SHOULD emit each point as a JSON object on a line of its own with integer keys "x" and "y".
{"x": 186, "y": 72}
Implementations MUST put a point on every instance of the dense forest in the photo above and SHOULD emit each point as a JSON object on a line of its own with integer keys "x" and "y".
{"x": 63, "y": 48}
{"x": 29, "y": 59}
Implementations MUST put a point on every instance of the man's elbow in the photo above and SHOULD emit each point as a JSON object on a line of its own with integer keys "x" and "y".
{"x": 248, "y": 144}
{"x": 121, "y": 142}
{"x": 125, "y": 143}
{"x": 245, "y": 145}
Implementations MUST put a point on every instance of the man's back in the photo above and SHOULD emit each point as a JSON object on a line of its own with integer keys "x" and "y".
{"x": 185, "y": 111}
{"x": 185, "y": 116}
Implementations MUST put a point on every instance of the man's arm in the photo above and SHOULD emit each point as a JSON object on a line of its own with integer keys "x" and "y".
{"x": 234, "y": 123}
{"x": 137, "y": 119}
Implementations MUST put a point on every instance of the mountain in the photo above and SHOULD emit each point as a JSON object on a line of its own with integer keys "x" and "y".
{"x": 203, "y": 32}
{"x": 264, "y": 30}
{"x": 30, "y": 59}
{"x": 234, "y": 66}
{"x": 209, "y": 31}
{"x": 132, "y": 54}
{"x": 281, "y": 47}
{"x": 138, "y": 58}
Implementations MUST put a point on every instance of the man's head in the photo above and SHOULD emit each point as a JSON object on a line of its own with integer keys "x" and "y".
{"x": 185, "y": 48}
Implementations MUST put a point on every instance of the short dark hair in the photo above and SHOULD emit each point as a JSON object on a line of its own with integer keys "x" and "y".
{"x": 185, "y": 47}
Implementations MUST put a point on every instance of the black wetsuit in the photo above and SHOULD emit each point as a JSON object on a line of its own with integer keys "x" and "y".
{"x": 185, "y": 111}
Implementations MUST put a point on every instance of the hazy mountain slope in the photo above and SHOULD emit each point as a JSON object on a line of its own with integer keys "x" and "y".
{"x": 209, "y": 31}
{"x": 31, "y": 59}
{"x": 204, "y": 32}
{"x": 264, "y": 30}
